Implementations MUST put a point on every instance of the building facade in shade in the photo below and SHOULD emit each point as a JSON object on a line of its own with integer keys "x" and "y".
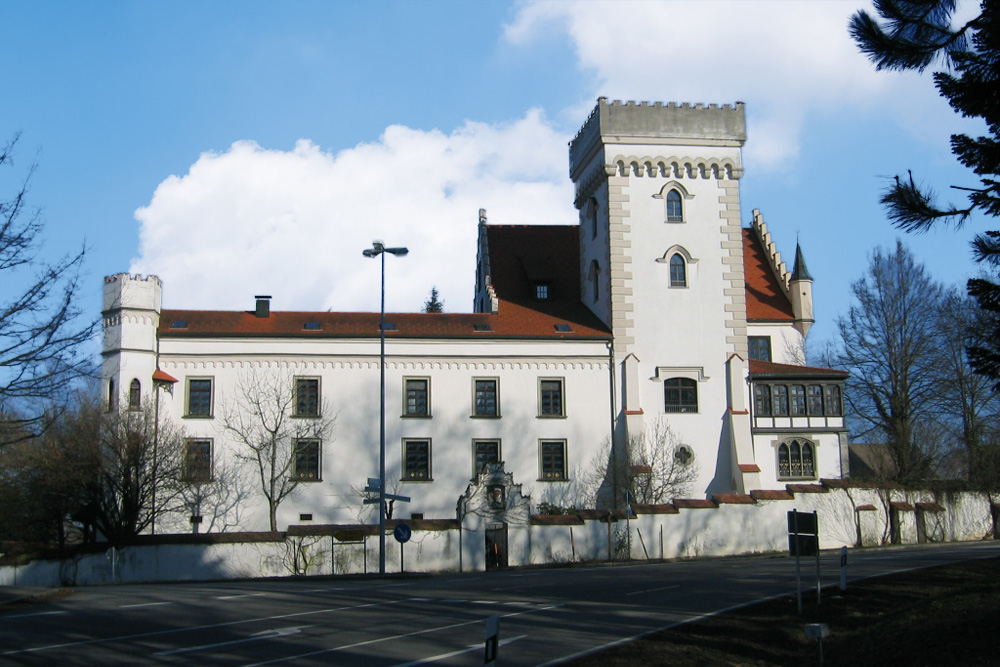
{"x": 656, "y": 332}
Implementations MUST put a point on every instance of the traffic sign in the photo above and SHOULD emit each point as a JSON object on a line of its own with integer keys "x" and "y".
{"x": 803, "y": 523}
{"x": 402, "y": 533}
{"x": 802, "y": 545}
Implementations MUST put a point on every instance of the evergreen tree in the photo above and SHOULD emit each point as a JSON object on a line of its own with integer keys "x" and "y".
{"x": 915, "y": 34}
{"x": 433, "y": 304}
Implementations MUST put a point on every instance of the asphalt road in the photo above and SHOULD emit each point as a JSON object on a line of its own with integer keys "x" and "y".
{"x": 545, "y": 615}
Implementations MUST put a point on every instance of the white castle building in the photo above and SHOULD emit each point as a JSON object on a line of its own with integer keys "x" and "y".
{"x": 657, "y": 331}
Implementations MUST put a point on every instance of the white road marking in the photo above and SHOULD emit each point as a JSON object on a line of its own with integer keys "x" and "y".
{"x": 172, "y": 631}
{"x": 445, "y": 656}
{"x": 653, "y": 590}
{"x": 256, "y": 637}
{"x": 143, "y": 604}
{"x": 379, "y": 640}
{"x": 242, "y": 595}
{"x": 481, "y": 601}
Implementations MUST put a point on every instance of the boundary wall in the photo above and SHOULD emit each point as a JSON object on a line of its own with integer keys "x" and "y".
{"x": 850, "y": 514}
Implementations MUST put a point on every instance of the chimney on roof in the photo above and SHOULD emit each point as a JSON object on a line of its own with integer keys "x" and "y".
{"x": 263, "y": 306}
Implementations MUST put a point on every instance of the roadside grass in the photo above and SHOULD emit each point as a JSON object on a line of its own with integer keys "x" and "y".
{"x": 941, "y": 616}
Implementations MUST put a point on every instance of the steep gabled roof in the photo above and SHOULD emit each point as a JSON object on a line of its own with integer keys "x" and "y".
{"x": 522, "y": 256}
{"x": 766, "y": 298}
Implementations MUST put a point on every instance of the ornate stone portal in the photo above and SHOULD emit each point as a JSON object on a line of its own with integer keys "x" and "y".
{"x": 494, "y": 498}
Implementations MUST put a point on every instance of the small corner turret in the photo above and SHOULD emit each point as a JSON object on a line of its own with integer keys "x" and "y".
{"x": 797, "y": 285}
{"x": 800, "y": 293}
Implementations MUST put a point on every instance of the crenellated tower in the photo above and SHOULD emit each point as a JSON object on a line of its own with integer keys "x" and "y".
{"x": 131, "y": 316}
{"x": 657, "y": 187}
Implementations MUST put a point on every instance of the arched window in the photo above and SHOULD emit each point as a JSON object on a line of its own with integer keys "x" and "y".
{"x": 134, "y": 395}
{"x": 592, "y": 216}
{"x": 796, "y": 460}
{"x": 675, "y": 209}
{"x": 680, "y": 395}
{"x": 678, "y": 271}
{"x": 595, "y": 280}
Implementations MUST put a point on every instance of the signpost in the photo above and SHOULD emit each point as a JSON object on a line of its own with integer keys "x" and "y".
{"x": 819, "y": 632}
{"x": 803, "y": 540}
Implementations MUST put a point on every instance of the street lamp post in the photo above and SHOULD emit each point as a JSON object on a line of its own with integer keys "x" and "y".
{"x": 378, "y": 249}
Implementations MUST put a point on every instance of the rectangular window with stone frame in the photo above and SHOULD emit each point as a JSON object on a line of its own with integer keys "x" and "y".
{"x": 308, "y": 460}
{"x": 485, "y": 400}
{"x": 552, "y": 460}
{"x": 484, "y": 453}
{"x": 416, "y": 398}
{"x": 199, "y": 397}
{"x": 197, "y": 467}
{"x": 307, "y": 397}
{"x": 550, "y": 398}
{"x": 416, "y": 460}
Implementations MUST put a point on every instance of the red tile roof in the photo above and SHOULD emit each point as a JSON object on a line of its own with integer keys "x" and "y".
{"x": 733, "y": 499}
{"x": 694, "y": 503}
{"x": 807, "y": 488}
{"x": 521, "y": 256}
{"x": 766, "y": 298}
{"x": 512, "y": 321}
{"x": 654, "y": 508}
{"x": 765, "y": 494}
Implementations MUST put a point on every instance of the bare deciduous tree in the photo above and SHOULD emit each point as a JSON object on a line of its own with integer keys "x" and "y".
{"x": 889, "y": 342}
{"x": 261, "y": 420}
{"x": 140, "y": 460}
{"x": 220, "y": 500}
{"x": 656, "y": 469}
{"x": 41, "y": 326}
{"x": 970, "y": 407}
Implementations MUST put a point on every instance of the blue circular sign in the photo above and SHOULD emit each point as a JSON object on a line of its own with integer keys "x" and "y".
{"x": 402, "y": 533}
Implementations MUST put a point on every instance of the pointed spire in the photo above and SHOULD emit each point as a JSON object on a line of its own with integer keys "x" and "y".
{"x": 800, "y": 272}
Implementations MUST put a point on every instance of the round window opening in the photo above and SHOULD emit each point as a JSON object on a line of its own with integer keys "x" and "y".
{"x": 683, "y": 454}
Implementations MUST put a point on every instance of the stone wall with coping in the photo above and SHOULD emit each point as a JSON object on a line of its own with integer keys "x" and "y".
{"x": 850, "y": 514}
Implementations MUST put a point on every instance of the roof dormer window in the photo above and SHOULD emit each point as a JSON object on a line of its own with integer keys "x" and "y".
{"x": 542, "y": 291}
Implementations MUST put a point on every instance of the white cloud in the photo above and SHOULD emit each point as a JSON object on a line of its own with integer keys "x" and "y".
{"x": 784, "y": 59}
{"x": 292, "y": 224}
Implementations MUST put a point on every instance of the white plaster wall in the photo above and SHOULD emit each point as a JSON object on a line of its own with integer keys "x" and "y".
{"x": 681, "y": 327}
{"x": 727, "y": 530}
{"x": 787, "y": 344}
{"x": 349, "y": 376}
{"x": 827, "y": 453}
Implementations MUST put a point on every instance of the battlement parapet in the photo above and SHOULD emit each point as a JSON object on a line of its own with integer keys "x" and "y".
{"x": 125, "y": 290}
{"x": 770, "y": 249}
{"x": 656, "y": 122}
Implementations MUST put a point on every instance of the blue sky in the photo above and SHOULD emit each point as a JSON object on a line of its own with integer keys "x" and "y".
{"x": 238, "y": 148}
